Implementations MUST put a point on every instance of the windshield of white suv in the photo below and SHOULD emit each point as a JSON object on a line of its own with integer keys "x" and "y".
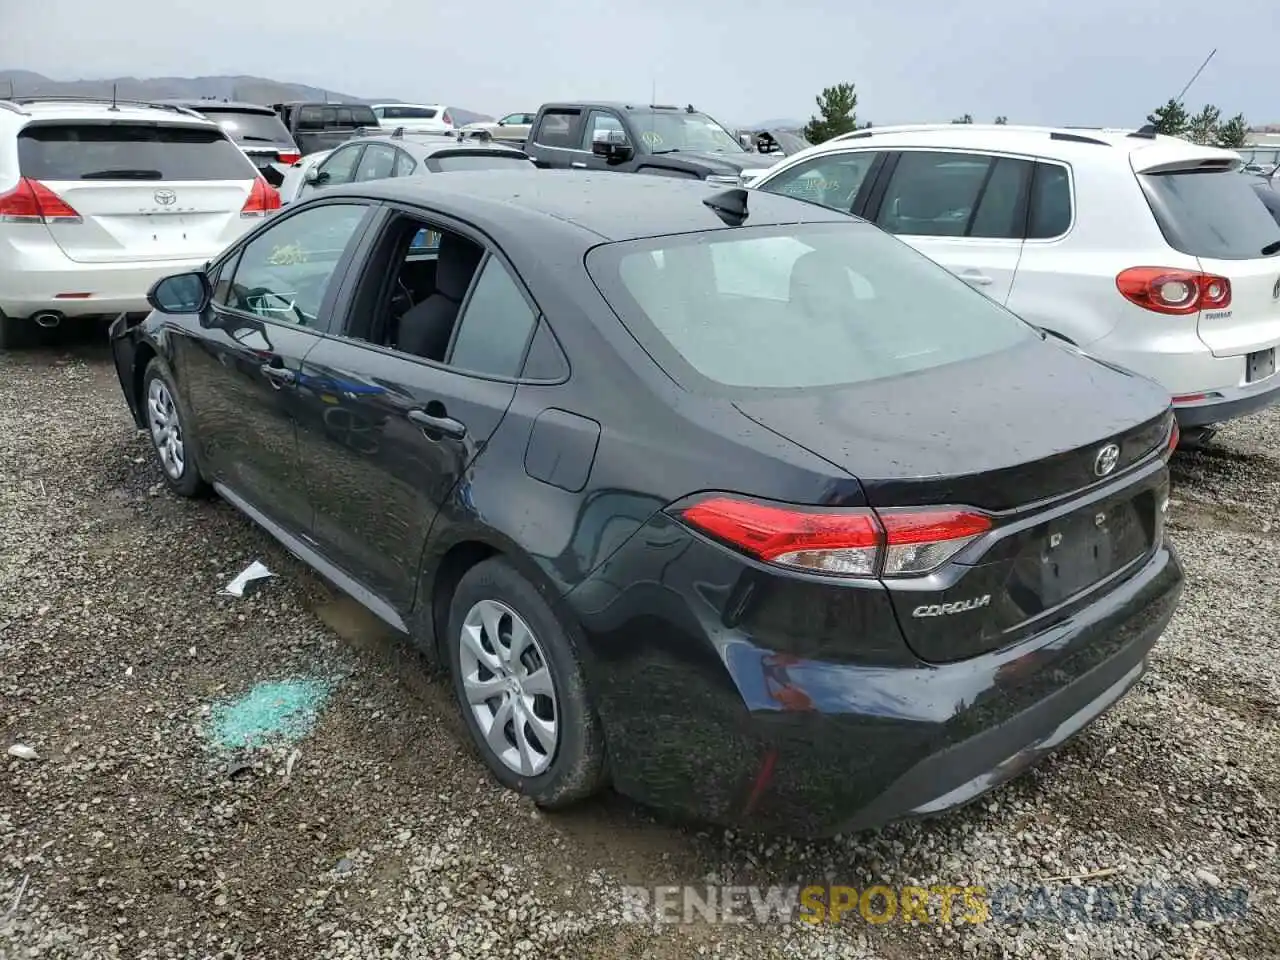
{"x": 125, "y": 151}
{"x": 670, "y": 130}
{"x": 798, "y": 306}
{"x": 1214, "y": 214}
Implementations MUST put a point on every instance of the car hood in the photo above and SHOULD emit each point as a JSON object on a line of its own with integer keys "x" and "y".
{"x": 731, "y": 163}
{"x": 994, "y": 432}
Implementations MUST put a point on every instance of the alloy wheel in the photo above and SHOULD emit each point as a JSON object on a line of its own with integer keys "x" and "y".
{"x": 509, "y": 688}
{"x": 166, "y": 429}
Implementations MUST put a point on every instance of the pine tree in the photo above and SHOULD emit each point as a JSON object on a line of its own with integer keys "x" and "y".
{"x": 837, "y": 113}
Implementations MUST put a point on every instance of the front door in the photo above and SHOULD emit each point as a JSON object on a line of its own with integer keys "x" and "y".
{"x": 965, "y": 211}
{"x": 270, "y": 306}
{"x": 599, "y": 122}
{"x": 389, "y": 437}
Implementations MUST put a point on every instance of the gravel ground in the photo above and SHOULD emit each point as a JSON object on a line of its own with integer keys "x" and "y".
{"x": 379, "y": 834}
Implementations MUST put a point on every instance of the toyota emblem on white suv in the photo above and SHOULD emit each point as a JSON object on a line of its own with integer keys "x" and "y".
{"x": 1106, "y": 460}
{"x": 166, "y": 198}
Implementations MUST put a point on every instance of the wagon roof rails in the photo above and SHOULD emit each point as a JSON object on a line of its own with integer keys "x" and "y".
{"x": 113, "y": 101}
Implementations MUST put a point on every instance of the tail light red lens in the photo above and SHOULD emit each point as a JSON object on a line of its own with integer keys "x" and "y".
{"x": 447, "y": 118}
{"x": 1175, "y": 435}
{"x": 263, "y": 199}
{"x": 1172, "y": 291}
{"x": 850, "y": 543}
{"x": 288, "y": 158}
{"x": 32, "y": 202}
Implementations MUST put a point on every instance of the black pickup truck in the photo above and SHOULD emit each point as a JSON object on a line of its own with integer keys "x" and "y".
{"x": 322, "y": 126}
{"x": 660, "y": 140}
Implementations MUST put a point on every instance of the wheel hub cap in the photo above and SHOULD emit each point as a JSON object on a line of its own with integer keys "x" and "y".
{"x": 166, "y": 429}
{"x": 508, "y": 687}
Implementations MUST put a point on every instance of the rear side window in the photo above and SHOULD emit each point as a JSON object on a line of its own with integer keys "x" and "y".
{"x": 249, "y": 127}
{"x": 495, "y": 325}
{"x": 801, "y": 306}
{"x": 560, "y": 128}
{"x": 478, "y": 161}
{"x": 110, "y": 151}
{"x": 1050, "y": 213}
{"x": 1214, "y": 214}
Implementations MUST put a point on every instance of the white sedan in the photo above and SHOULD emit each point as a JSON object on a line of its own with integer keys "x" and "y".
{"x": 296, "y": 176}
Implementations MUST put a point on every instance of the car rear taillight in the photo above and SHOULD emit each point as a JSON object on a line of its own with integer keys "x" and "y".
{"x": 263, "y": 199}
{"x": 288, "y": 157}
{"x": 1175, "y": 435}
{"x": 1173, "y": 291}
{"x": 447, "y": 118}
{"x": 851, "y": 543}
{"x": 32, "y": 202}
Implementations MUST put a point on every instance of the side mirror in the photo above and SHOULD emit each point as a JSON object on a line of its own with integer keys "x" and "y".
{"x": 314, "y": 176}
{"x": 181, "y": 293}
{"x": 613, "y": 145}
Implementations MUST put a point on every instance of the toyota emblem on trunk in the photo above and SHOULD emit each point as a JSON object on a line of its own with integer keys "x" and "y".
{"x": 166, "y": 198}
{"x": 1106, "y": 460}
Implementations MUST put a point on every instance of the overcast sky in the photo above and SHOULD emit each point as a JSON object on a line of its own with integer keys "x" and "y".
{"x": 1080, "y": 62}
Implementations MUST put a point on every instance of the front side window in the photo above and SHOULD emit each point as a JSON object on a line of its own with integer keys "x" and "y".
{"x": 832, "y": 180}
{"x": 801, "y": 306}
{"x": 340, "y": 167}
{"x": 601, "y": 123}
{"x": 933, "y": 194}
{"x": 495, "y": 327}
{"x": 284, "y": 273}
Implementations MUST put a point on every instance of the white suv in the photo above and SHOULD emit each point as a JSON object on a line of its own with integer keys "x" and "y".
{"x": 1144, "y": 250}
{"x": 98, "y": 200}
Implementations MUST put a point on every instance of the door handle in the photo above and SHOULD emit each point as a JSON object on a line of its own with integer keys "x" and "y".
{"x": 976, "y": 278}
{"x": 578, "y": 164}
{"x": 441, "y": 424}
{"x": 279, "y": 376}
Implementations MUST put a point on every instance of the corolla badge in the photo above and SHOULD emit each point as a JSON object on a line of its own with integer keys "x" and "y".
{"x": 1106, "y": 460}
{"x": 166, "y": 198}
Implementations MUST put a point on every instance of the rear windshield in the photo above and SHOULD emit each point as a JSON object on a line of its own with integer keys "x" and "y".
{"x": 408, "y": 113}
{"x": 1213, "y": 214}
{"x": 477, "y": 161}
{"x": 315, "y": 117}
{"x": 128, "y": 151}
{"x": 802, "y": 306}
{"x": 250, "y": 127}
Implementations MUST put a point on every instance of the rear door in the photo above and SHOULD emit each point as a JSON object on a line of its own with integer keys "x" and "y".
{"x": 389, "y": 438}
{"x": 143, "y": 190}
{"x": 965, "y": 211}
{"x": 1211, "y": 212}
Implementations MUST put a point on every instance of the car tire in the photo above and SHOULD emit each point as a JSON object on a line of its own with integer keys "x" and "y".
{"x": 166, "y": 425}
{"x": 543, "y": 682}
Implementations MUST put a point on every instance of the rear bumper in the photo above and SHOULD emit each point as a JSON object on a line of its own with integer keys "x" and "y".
{"x": 1233, "y": 402}
{"x": 32, "y": 284}
{"x": 704, "y": 716}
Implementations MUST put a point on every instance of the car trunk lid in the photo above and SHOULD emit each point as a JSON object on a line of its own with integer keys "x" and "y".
{"x": 1075, "y": 501}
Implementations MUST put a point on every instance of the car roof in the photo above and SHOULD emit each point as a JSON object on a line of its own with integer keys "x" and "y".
{"x": 619, "y": 105}
{"x": 596, "y": 206}
{"x": 1065, "y": 143}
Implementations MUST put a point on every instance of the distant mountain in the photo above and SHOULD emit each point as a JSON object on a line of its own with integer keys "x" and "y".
{"x": 249, "y": 89}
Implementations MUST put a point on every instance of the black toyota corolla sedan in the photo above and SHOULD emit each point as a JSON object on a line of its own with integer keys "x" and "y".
{"x": 732, "y": 502}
